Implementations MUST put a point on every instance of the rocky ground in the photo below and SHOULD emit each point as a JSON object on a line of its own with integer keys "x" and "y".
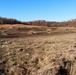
{"x": 38, "y": 55}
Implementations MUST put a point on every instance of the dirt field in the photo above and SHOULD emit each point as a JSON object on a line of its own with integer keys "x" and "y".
{"x": 37, "y": 50}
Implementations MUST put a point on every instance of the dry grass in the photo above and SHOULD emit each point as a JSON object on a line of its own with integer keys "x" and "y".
{"x": 19, "y": 30}
{"x": 39, "y": 55}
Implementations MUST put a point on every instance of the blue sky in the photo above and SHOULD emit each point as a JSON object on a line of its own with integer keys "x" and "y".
{"x": 30, "y": 10}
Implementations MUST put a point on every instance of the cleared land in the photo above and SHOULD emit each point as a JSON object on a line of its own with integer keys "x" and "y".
{"x": 37, "y": 50}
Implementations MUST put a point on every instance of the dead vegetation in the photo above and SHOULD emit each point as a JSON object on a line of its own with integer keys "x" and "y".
{"x": 38, "y": 49}
{"x": 20, "y": 30}
{"x": 38, "y": 55}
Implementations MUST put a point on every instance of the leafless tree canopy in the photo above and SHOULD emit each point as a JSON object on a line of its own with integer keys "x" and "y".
{"x": 39, "y": 22}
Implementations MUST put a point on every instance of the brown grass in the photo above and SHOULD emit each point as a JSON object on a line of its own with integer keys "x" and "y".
{"x": 54, "y": 53}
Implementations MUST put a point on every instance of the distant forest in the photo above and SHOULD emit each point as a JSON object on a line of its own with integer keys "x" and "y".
{"x": 38, "y": 23}
{"x": 9, "y": 21}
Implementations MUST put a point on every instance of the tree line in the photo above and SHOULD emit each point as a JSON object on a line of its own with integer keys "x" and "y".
{"x": 9, "y": 21}
{"x": 38, "y": 22}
